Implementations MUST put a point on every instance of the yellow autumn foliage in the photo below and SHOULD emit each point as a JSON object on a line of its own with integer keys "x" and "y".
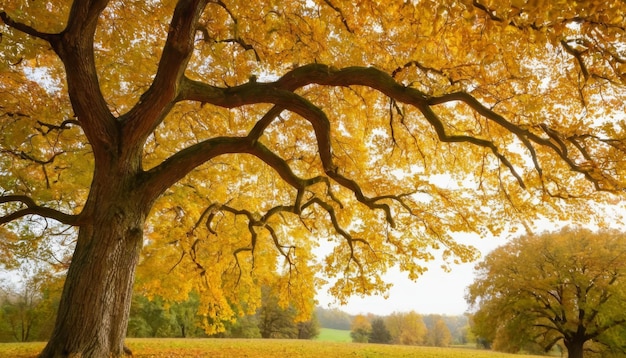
{"x": 221, "y": 146}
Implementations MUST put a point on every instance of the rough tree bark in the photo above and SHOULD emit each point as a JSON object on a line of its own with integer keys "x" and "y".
{"x": 95, "y": 305}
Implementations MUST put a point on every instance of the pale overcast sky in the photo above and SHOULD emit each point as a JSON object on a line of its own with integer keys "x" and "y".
{"x": 444, "y": 292}
{"x": 436, "y": 291}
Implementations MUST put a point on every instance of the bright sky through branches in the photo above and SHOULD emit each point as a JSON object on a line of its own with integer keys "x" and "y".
{"x": 441, "y": 292}
{"x": 437, "y": 291}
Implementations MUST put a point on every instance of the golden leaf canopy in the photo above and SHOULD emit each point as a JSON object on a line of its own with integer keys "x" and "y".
{"x": 285, "y": 143}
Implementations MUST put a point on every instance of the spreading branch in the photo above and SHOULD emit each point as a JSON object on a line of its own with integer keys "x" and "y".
{"x": 49, "y": 37}
{"x": 263, "y": 222}
{"x": 281, "y": 94}
{"x": 29, "y": 207}
{"x": 26, "y": 156}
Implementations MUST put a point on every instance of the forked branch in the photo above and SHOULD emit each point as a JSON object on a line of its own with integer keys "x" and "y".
{"x": 281, "y": 93}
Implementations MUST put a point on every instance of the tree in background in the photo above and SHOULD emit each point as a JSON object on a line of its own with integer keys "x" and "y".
{"x": 227, "y": 137}
{"x": 360, "y": 329}
{"x": 150, "y": 318}
{"x": 379, "y": 332}
{"x": 28, "y": 308}
{"x": 333, "y": 318}
{"x": 567, "y": 286}
{"x": 438, "y": 334}
{"x": 406, "y": 328}
{"x": 466, "y": 334}
{"x": 18, "y": 315}
{"x": 185, "y": 316}
{"x": 245, "y": 326}
{"x": 154, "y": 317}
{"x": 278, "y": 319}
{"x": 308, "y": 329}
{"x": 275, "y": 321}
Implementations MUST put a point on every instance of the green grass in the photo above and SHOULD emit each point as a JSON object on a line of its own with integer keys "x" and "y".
{"x": 274, "y": 348}
{"x": 334, "y": 335}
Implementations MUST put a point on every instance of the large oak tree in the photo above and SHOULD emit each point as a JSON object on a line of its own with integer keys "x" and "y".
{"x": 218, "y": 141}
{"x": 565, "y": 287}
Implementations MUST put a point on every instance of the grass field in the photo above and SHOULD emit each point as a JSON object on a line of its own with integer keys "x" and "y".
{"x": 334, "y": 335}
{"x": 254, "y": 348}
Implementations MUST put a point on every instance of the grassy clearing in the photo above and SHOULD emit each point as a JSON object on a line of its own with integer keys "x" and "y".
{"x": 254, "y": 348}
{"x": 334, "y": 335}
{"x": 20, "y": 350}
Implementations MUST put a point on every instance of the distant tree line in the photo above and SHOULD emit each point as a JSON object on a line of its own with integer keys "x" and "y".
{"x": 155, "y": 318}
{"x": 334, "y": 318}
{"x": 28, "y": 313}
{"x": 411, "y": 328}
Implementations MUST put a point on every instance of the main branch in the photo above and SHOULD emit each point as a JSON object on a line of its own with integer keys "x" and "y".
{"x": 281, "y": 94}
{"x": 33, "y": 209}
{"x": 157, "y": 101}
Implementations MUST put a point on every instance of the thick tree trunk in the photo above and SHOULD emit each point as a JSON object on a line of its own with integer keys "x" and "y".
{"x": 574, "y": 348}
{"x": 95, "y": 305}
